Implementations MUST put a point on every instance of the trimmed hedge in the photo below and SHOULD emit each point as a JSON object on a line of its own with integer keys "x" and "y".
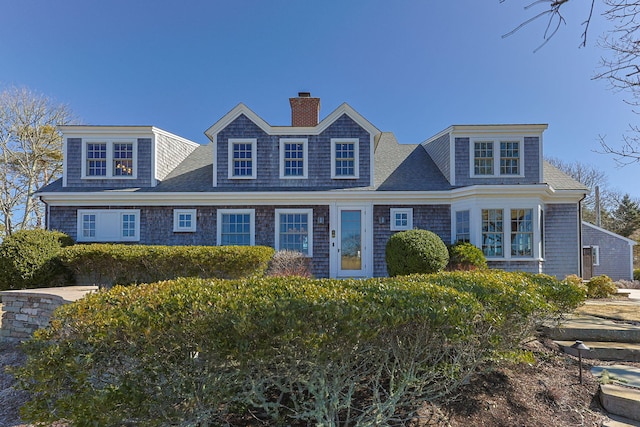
{"x": 601, "y": 287}
{"x": 415, "y": 252}
{"x": 291, "y": 351}
{"x": 28, "y": 259}
{"x": 466, "y": 256}
{"x": 108, "y": 264}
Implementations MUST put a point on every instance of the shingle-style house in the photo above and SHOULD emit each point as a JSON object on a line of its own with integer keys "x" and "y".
{"x": 605, "y": 252}
{"x": 334, "y": 189}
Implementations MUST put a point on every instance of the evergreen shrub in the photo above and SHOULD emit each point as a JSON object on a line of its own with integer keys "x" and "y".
{"x": 28, "y": 259}
{"x": 636, "y": 274}
{"x": 109, "y": 264}
{"x": 601, "y": 287}
{"x": 466, "y": 256}
{"x": 415, "y": 251}
{"x": 288, "y": 351}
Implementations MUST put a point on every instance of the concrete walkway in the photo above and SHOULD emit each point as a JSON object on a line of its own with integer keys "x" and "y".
{"x": 67, "y": 293}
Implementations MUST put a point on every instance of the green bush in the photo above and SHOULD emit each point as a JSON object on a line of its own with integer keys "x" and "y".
{"x": 601, "y": 287}
{"x": 415, "y": 251}
{"x": 28, "y": 260}
{"x": 636, "y": 274}
{"x": 108, "y": 264}
{"x": 291, "y": 351}
{"x": 465, "y": 256}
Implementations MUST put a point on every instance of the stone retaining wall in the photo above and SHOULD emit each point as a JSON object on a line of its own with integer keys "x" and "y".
{"x": 23, "y": 312}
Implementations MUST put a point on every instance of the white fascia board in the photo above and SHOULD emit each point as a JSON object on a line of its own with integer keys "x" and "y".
{"x": 79, "y": 131}
{"x": 162, "y": 132}
{"x": 64, "y": 162}
{"x": 481, "y": 130}
{"x": 610, "y": 233}
{"x": 436, "y": 136}
{"x": 291, "y": 130}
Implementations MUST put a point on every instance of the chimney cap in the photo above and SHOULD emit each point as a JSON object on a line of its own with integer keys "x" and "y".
{"x": 304, "y": 94}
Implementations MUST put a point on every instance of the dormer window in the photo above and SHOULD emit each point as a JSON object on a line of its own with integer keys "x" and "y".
{"x": 345, "y": 155}
{"x": 293, "y": 158}
{"x": 242, "y": 158}
{"x": 112, "y": 159}
{"x": 496, "y": 157}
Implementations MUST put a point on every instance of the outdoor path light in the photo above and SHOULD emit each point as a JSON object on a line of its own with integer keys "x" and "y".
{"x": 579, "y": 345}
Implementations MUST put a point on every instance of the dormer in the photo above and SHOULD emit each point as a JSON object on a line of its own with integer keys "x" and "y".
{"x": 120, "y": 156}
{"x": 489, "y": 154}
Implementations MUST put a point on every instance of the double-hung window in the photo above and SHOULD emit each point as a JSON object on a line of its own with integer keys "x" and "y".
{"x": 463, "y": 227}
{"x": 496, "y": 157}
{"x": 236, "y": 227}
{"x": 522, "y": 233}
{"x": 242, "y": 158}
{"x": 493, "y": 233}
{"x": 108, "y": 225}
{"x": 294, "y": 230}
{"x": 344, "y": 157}
{"x": 113, "y": 159}
{"x": 293, "y": 158}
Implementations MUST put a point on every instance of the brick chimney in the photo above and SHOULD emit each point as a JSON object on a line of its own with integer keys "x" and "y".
{"x": 305, "y": 110}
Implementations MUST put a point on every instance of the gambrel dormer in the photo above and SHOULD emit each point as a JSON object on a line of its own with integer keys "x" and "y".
{"x": 120, "y": 156}
{"x": 489, "y": 154}
{"x": 337, "y": 152}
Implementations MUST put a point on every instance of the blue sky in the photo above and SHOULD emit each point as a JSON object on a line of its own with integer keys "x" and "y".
{"x": 409, "y": 67}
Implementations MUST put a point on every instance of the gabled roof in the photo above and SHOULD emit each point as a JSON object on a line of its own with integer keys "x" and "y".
{"x": 610, "y": 233}
{"x": 241, "y": 109}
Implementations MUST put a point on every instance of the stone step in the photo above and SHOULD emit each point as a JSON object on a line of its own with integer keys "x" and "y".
{"x": 621, "y": 374}
{"x": 617, "y": 421}
{"x": 622, "y": 401}
{"x": 591, "y": 328}
{"x": 627, "y": 352}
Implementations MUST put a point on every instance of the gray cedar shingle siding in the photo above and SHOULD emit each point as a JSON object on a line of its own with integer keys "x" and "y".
{"x": 562, "y": 248}
{"x": 268, "y": 156}
{"x": 531, "y": 165}
{"x": 74, "y": 167}
{"x": 435, "y": 218}
{"x": 156, "y": 227}
{"x": 170, "y": 153}
{"x": 616, "y": 258}
{"x": 440, "y": 153}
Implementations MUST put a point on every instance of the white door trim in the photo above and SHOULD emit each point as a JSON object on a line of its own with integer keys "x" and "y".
{"x": 334, "y": 239}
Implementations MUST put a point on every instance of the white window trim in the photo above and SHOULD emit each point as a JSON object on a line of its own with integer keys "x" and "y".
{"x": 176, "y": 220}
{"x": 496, "y": 156}
{"x": 454, "y": 228}
{"x": 254, "y": 158}
{"x": 110, "y": 142}
{"x": 252, "y": 225}
{"x": 408, "y": 211}
{"x": 595, "y": 254}
{"x": 98, "y": 213}
{"x": 309, "y": 213}
{"x": 305, "y": 157}
{"x": 356, "y": 153}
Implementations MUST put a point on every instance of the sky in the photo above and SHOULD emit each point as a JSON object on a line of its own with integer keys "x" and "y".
{"x": 411, "y": 67}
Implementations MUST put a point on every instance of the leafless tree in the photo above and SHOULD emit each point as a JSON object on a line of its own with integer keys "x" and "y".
{"x": 30, "y": 154}
{"x": 620, "y": 66}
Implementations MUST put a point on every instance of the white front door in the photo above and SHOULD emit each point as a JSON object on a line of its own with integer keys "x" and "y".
{"x": 351, "y": 241}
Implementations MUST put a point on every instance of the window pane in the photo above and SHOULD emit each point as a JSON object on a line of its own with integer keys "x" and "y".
{"x": 345, "y": 159}
{"x": 294, "y": 232}
{"x": 294, "y": 159}
{"x": 123, "y": 159}
{"x": 128, "y": 225}
{"x": 236, "y": 229}
{"x": 462, "y": 226}
{"x": 509, "y": 158}
{"x": 521, "y": 232}
{"x": 97, "y": 159}
{"x": 492, "y": 232}
{"x": 242, "y": 159}
{"x": 88, "y": 225}
{"x": 483, "y": 158}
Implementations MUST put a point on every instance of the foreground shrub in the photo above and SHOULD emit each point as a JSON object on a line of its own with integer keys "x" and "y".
{"x": 601, "y": 287}
{"x": 465, "y": 256}
{"x": 28, "y": 260}
{"x": 289, "y": 263}
{"x": 415, "y": 251}
{"x": 108, "y": 264}
{"x": 290, "y": 351}
{"x": 636, "y": 274}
